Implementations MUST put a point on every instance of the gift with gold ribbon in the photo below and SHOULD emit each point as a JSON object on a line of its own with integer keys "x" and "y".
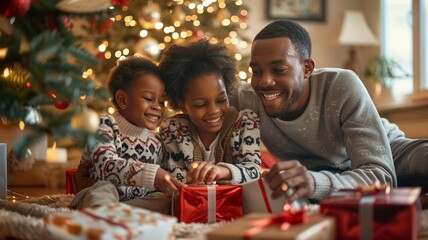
{"x": 374, "y": 212}
{"x": 208, "y": 203}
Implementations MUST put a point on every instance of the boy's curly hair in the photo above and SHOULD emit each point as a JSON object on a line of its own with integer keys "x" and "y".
{"x": 180, "y": 64}
{"x": 124, "y": 74}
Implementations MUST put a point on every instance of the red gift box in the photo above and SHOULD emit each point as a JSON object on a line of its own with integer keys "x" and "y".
{"x": 208, "y": 203}
{"x": 268, "y": 160}
{"x": 69, "y": 183}
{"x": 377, "y": 215}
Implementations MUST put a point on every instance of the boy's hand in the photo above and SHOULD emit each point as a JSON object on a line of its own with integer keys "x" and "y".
{"x": 166, "y": 183}
{"x": 206, "y": 173}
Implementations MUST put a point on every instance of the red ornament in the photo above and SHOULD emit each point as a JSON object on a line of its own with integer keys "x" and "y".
{"x": 197, "y": 33}
{"x": 120, "y": 2}
{"x": 58, "y": 104}
{"x": 105, "y": 25}
{"x": 61, "y": 105}
{"x": 14, "y": 8}
{"x": 244, "y": 18}
{"x": 101, "y": 56}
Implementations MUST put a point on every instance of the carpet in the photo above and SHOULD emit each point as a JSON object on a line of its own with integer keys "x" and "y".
{"x": 24, "y": 219}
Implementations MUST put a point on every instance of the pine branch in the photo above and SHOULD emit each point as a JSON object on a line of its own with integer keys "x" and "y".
{"x": 83, "y": 55}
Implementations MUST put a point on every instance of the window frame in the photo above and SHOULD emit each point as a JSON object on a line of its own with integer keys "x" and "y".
{"x": 420, "y": 84}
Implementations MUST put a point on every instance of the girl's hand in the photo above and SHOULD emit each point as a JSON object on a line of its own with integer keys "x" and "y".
{"x": 206, "y": 173}
{"x": 166, "y": 183}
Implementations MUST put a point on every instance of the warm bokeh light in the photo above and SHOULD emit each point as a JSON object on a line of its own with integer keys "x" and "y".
{"x": 21, "y": 125}
{"x": 144, "y": 33}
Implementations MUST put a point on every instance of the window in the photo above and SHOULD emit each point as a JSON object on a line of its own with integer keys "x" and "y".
{"x": 404, "y": 31}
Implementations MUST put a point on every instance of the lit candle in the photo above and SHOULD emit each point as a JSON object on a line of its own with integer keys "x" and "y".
{"x": 56, "y": 155}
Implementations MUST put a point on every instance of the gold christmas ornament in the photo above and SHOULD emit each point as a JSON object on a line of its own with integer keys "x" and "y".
{"x": 148, "y": 47}
{"x": 178, "y": 15}
{"x": 150, "y": 15}
{"x": 223, "y": 14}
{"x": 87, "y": 120}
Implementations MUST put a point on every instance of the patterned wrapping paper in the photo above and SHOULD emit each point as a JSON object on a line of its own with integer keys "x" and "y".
{"x": 253, "y": 226}
{"x": 379, "y": 215}
{"x": 208, "y": 203}
{"x": 257, "y": 197}
{"x": 113, "y": 221}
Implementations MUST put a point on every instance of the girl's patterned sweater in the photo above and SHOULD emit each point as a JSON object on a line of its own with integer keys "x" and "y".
{"x": 238, "y": 147}
{"x": 129, "y": 159}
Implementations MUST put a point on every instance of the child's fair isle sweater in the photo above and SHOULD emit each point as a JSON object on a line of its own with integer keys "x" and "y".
{"x": 129, "y": 159}
{"x": 238, "y": 146}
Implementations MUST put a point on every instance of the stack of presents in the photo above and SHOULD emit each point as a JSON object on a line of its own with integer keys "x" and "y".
{"x": 370, "y": 212}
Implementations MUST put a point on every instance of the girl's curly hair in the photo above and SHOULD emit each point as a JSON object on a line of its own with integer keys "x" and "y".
{"x": 180, "y": 64}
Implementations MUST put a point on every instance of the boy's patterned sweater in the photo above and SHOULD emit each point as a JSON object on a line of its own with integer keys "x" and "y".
{"x": 129, "y": 159}
{"x": 238, "y": 146}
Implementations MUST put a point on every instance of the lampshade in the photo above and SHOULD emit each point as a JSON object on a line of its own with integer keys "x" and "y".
{"x": 355, "y": 30}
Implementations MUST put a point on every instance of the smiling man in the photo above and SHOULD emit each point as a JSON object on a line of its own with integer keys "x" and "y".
{"x": 321, "y": 123}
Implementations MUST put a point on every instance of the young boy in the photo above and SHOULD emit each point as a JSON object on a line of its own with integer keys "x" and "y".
{"x": 126, "y": 168}
{"x": 210, "y": 142}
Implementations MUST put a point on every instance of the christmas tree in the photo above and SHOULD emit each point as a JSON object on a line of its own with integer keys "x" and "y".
{"x": 149, "y": 27}
{"x": 45, "y": 75}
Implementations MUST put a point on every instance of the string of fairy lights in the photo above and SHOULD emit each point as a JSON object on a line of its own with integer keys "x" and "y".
{"x": 174, "y": 32}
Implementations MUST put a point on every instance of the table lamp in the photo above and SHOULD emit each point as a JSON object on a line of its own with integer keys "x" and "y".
{"x": 355, "y": 32}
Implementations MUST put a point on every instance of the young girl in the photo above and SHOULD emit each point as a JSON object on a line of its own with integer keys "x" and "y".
{"x": 126, "y": 166}
{"x": 210, "y": 142}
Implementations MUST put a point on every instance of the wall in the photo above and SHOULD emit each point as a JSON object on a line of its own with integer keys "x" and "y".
{"x": 325, "y": 47}
{"x": 327, "y": 52}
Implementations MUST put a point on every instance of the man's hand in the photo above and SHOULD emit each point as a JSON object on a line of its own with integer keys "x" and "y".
{"x": 166, "y": 183}
{"x": 290, "y": 174}
{"x": 206, "y": 173}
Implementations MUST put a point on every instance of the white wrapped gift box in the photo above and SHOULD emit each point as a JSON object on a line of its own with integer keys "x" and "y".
{"x": 257, "y": 198}
{"x": 114, "y": 221}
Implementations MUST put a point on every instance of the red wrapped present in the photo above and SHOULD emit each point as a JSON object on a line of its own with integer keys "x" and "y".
{"x": 69, "y": 183}
{"x": 260, "y": 226}
{"x": 374, "y": 213}
{"x": 268, "y": 160}
{"x": 208, "y": 203}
